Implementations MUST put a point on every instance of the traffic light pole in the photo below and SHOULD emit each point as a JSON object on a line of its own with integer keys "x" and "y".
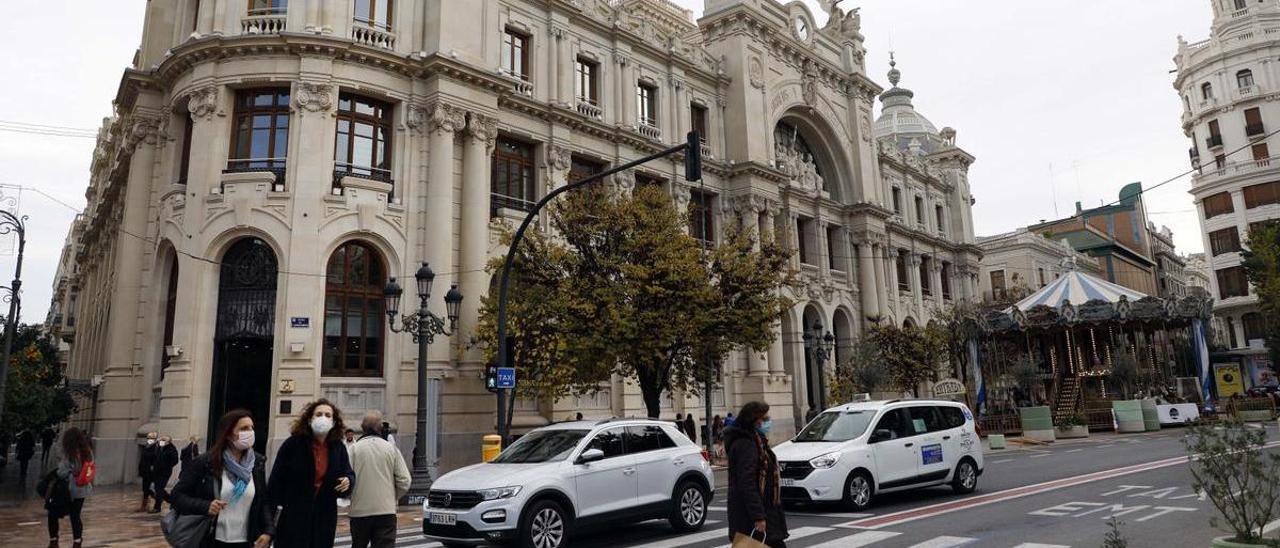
{"x": 693, "y": 167}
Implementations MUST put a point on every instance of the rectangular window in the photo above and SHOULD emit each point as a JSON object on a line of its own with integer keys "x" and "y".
{"x": 1218, "y": 204}
{"x": 362, "y": 143}
{"x": 374, "y": 13}
{"x": 1254, "y": 228}
{"x": 1219, "y": 161}
{"x": 926, "y": 283}
{"x": 647, "y": 104}
{"x": 580, "y": 168}
{"x": 946, "y": 280}
{"x": 835, "y": 259}
{"x": 1263, "y": 194}
{"x": 1242, "y": 4}
{"x": 804, "y": 229}
{"x": 698, "y": 120}
{"x": 997, "y": 284}
{"x": 939, "y": 217}
{"x": 1253, "y": 122}
{"x": 1244, "y": 79}
{"x": 1255, "y": 327}
{"x": 184, "y": 161}
{"x": 268, "y": 7}
{"x": 1040, "y": 275}
{"x": 1260, "y": 153}
{"x": 701, "y": 217}
{"x": 644, "y": 179}
{"x": 260, "y": 138}
{"x": 904, "y": 284}
{"x": 1226, "y": 240}
{"x": 586, "y": 82}
{"x": 1232, "y": 282}
{"x": 515, "y": 54}
{"x": 897, "y": 200}
{"x": 920, "y": 210}
{"x": 1215, "y": 135}
{"x": 513, "y": 176}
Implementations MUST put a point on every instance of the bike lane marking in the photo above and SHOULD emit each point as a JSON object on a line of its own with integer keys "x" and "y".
{"x": 904, "y": 516}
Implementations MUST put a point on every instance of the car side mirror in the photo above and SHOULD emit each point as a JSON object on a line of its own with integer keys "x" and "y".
{"x": 881, "y": 435}
{"x": 590, "y": 455}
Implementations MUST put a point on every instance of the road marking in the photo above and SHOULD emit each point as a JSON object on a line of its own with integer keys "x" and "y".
{"x": 1038, "y": 545}
{"x": 896, "y": 518}
{"x": 685, "y": 540}
{"x": 25, "y": 523}
{"x": 796, "y": 534}
{"x": 1074, "y": 451}
{"x": 865, "y": 538}
{"x": 1106, "y": 446}
{"x": 944, "y": 542}
{"x": 717, "y": 508}
{"x": 400, "y": 532}
{"x": 1001, "y": 461}
{"x": 1040, "y": 456}
{"x": 839, "y": 515}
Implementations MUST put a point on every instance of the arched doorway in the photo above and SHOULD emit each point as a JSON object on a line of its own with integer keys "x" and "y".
{"x": 843, "y": 331}
{"x": 244, "y": 336}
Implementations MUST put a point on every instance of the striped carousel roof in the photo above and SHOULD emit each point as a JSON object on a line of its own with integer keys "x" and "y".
{"x": 1077, "y": 288}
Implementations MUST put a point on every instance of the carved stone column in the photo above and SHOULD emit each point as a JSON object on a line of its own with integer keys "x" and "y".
{"x": 917, "y": 290}
{"x": 894, "y": 282}
{"x": 204, "y": 21}
{"x": 935, "y": 276}
{"x": 626, "y": 107}
{"x": 443, "y": 120}
{"x": 867, "y": 280}
{"x": 879, "y": 253}
{"x": 825, "y": 260}
{"x": 482, "y": 131}
{"x": 748, "y": 208}
{"x": 562, "y": 87}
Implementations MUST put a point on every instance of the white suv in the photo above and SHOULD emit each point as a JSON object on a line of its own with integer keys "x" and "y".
{"x": 563, "y": 478}
{"x": 840, "y": 456}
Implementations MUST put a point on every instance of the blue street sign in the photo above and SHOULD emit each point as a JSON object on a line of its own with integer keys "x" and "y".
{"x": 506, "y": 377}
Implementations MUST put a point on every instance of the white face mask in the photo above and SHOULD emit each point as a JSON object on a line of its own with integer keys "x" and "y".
{"x": 321, "y": 425}
{"x": 151, "y": 442}
{"x": 163, "y": 443}
{"x": 244, "y": 440}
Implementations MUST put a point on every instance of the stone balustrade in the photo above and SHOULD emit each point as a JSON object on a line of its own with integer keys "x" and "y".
{"x": 372, "y": 37}
{"x": 262, "y": 24}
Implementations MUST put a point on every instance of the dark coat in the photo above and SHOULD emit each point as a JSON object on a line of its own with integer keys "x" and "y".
{"x": 198, "y": 486}
{"x": 147, "y": 456}
{"x": 166, "y": 459}
{"x": 189, "y": 453}
{"x": 308, "y": 518}
{"x": 745, "y": 503}
{"x": 26, "y": 445}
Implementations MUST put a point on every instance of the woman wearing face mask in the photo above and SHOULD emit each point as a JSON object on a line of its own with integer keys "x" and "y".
{"x": 755, "y": 486}
{"x": 228, "y": 484}
{"x": 311, "y": 471}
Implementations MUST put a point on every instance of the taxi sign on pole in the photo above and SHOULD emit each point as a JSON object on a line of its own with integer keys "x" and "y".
{"x": 506, "y": 377}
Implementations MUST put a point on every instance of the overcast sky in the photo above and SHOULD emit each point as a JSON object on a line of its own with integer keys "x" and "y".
{"x": 1060, "y": 100}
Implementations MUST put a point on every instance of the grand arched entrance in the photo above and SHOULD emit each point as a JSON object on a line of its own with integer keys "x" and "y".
{"x": 244, "y": 336}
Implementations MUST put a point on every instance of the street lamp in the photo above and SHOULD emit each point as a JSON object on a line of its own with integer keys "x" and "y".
{"x": 424, "y": 325}
{"x": 819, "y": 347}
{"x": 10, "y": 223}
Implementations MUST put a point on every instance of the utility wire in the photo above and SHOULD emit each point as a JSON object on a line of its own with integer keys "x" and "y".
{"x": 42, "y": 193}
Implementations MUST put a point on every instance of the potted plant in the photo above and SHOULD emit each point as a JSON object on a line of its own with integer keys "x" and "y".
{"x": 1238, "y": 476}
{"x": 1073, "y": 426}
{"x": 1124, "y": 373}
{"x": 1036, "y": 419}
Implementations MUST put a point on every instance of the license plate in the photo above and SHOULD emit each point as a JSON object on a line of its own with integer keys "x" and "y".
{"x": 787, "y": 482}
{"x": 436, "y": 518}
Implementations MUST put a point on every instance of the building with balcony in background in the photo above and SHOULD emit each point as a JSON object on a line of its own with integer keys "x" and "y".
{"x": 1229, "y": 84}
{"x": 1019, "y": 263}
{"x": 272, "y": 163}
{"x": 1171, "y": 276}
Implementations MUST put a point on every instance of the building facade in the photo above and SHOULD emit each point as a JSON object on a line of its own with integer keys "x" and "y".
{"x": 1118, "y": 234}
{"x": 1228, "y": 84}
{"x": 1019, "y": 263}
{"x": 1171, "y": 275}
{"x": 271, "y": 164}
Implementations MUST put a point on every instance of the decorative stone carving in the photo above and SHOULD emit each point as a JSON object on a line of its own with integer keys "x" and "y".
{"x": 415, "y": 117}
{"x": 682, "y": 194}
{"x": 799, "y": 167}
{"x": 755, "y": 72}
{"x": 202, "y": 103}
{"x": 624, "y": 180}
{"x": 559, "y": 158}
{"x": 483, "y": 128}
{"x": 313, "y": 97}
{"x": 445, "y": 117}
{"x": 864, "y": 124}
{"x": 145, "y": 128}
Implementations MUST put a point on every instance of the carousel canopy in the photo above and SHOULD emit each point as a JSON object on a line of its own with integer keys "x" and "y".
{"x": 1077, "y": 288}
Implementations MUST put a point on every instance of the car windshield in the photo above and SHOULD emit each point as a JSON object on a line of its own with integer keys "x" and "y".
{"x": 542, "y": 446}
{"x": 836, "y": 426}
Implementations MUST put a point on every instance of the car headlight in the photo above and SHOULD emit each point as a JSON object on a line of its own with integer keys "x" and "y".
{"x": 500, "y": 493}
{"x": 825, "y": 461}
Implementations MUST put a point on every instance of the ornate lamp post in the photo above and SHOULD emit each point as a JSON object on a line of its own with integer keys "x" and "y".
{"x": 424, "y": 325}
{"x": 819, "y": 347}
{"x": 10, "y": 223}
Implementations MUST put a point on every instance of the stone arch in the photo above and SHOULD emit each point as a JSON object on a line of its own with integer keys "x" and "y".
{"x": 842, "y": 327}
{"x": 812, "y": 317}
{"x": 826, "y": 145}
{"x": 163, "y": 288}
{"x": 355, "y": 275}
{"x": 909, "y": 323}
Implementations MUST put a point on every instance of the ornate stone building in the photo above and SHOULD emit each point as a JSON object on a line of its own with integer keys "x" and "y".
{"x": 271, "y": 163}
{"x": 1019, "y": 263}
{"x": 1229, "y": 84}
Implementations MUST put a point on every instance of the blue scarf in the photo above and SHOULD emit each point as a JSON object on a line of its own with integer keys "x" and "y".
{"x": 241, "y": 472}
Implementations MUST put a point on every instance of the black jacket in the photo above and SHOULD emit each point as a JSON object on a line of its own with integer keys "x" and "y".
{"x": 746, "y": 505}
{"x": 308, "y": 518}
{"x": 147, "y": 456}
{"x": 189, "y": 453}
{"x": 198, "y": 486}
{"x": 26, "y": 445}
{"x": 166, "y": 459}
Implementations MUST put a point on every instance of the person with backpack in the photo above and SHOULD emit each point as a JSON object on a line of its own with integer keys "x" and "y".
{"x": 228, "y": 483}
{"x": 70, "y": 482}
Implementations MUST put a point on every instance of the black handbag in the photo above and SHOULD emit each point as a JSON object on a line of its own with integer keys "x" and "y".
{"x": 185, "y": 530}
{"x": 57, "y": 495}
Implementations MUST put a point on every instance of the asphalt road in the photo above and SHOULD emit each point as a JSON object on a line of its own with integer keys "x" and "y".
{"x": 1053, "y": 496}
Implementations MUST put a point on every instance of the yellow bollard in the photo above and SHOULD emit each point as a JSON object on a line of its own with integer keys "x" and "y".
{"x": 490, "y": 447}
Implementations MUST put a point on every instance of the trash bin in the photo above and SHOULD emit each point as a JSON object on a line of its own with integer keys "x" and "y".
{"x": 490, "y": 447}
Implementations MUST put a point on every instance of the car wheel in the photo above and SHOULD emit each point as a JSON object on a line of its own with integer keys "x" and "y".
{"x": 688, "y": 507}
{"x": 544, "y": 526}
{"x": 857, "y": 491}
{"x": 965, "y": 479}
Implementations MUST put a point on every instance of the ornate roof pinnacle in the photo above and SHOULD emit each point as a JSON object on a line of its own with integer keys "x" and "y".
{"x": 895, "y": 75}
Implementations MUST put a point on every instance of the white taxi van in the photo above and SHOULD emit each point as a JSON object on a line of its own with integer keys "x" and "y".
{"x": 853, "y": 452}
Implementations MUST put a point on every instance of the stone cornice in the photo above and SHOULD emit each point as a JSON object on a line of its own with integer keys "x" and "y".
{"x": 606, "y": 20}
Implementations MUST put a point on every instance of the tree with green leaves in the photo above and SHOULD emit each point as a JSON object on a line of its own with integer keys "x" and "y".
{"x": 622, "y": 289}
{"x": 36, "y": 395}
{"x": 1262, "y": 266}
{"x": 859, "y": 372}
{"x": 911, "y": 355}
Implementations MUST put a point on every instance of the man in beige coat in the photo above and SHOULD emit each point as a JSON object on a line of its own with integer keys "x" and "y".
{"x": 381, "y": 479}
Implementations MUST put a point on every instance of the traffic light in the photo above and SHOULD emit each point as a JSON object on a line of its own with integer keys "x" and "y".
{"x": 491, "y": 378}
{"x": 693, "y": 157}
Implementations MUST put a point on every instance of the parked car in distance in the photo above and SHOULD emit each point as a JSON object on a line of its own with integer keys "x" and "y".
{"x": 851, "y": 453}
{"x": 561, "y": 479}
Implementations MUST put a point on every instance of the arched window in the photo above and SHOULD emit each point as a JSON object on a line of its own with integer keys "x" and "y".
{"x": 353, "y": 318}
{"x": 1244, "y": 79}
{"x": 1206, "y": 91}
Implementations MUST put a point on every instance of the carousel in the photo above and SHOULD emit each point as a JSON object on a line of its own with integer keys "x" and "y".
{"x": 1068, "y": 337}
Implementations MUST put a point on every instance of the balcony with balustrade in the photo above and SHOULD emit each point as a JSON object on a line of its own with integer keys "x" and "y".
{"x": 649, "y": 130}
{"x": 374, "y": 35}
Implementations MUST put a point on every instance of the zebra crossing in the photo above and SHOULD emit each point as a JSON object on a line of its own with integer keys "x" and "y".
{"x": 714, "y": 536}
